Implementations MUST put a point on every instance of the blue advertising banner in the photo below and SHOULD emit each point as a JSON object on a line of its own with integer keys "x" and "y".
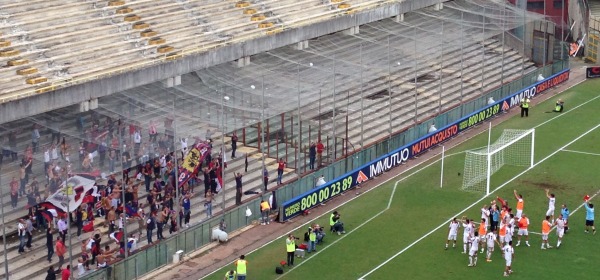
{"x": 314, "y": 197}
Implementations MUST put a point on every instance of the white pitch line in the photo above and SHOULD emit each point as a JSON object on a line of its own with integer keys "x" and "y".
{"x": 296, "y": 228}
{"x": 334, "y": 242}
{"x": 571, "y": 214}
{"x": 384, "y": 182}
{"x": 476, "y": 202}
{"x": 344, "y": 203}
{"x": 580, "y": 152}
{"x": 370, "y": 219}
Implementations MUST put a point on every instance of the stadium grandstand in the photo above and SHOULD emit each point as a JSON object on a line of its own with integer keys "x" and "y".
{"x": 356, "y": 75}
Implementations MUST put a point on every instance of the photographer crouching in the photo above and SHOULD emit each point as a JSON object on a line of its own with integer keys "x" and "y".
{"x": 336, "y": 224}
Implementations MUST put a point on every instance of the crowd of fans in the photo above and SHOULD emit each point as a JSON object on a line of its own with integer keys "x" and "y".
{"x": 133, "y": 161}
{"x": 148, "y": 162}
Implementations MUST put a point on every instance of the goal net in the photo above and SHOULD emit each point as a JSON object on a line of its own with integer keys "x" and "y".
{"x": 514, "y": 147}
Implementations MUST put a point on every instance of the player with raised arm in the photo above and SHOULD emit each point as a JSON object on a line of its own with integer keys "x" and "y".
{"x": 551, "y": 202}
{"x": 503, "y": 203}
{"x": 474, "y": 249}
{"x": 490, "y": 239}
{"x": 523, "y": 224}
{"x": 546, "y": 226}
{"x": 452, "y": 232}
{"x": 520, "y": 204}
{"x": 509, "y": 254}
{"x": 485, "y": 215}
{"x": 467, "y": 233}
{"x": 560, "y": 229}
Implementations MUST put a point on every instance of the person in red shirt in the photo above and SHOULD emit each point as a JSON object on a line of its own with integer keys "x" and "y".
{"x": 280, "y": 167}
{"x": 66, "y": 273}
{"x": 320, "y": 149}
{"x": 60, "y": 250}
{"x": 14, "y": 192}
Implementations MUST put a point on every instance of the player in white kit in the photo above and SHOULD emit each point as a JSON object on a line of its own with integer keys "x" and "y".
{"x": 452, "y": 232}
{"x": 551, "y": 202}
{"x": 474, "y": 249}
{"x": 490, "y": 239}
{"x": 560, "y": 229}
{"x": 512, "y": 222}
{"x": 509, "y": 233}
{"x": 467, "y": 233}
{"x": 485, "y": 214}
{"x": 509, "y": 252}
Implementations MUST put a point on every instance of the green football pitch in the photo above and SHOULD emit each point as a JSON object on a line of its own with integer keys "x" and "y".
{"x": 398, "y": 230}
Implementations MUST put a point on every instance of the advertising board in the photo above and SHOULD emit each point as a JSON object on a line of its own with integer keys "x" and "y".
{"x": 350, "y": 180}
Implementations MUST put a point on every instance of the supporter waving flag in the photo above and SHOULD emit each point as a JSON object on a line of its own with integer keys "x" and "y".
{"x": 193, "y": 161}
{"x": 71, "y": 194}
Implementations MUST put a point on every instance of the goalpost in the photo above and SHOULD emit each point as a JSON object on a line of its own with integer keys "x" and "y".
{"x": 514, "y": 147}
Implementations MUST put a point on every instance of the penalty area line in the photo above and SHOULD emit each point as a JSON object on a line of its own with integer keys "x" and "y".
{"x": 581, "y": 152}
{"x": 475, "y": 203}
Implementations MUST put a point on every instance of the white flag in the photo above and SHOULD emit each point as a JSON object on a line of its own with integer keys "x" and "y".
{"x": 71, "y": 193}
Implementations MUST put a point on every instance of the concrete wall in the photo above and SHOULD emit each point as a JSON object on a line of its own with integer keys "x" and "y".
{"x": 75, "y": 94}
{"x": 516, "y": 42}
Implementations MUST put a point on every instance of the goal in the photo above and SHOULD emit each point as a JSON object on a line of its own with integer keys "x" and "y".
{"x": 514, "y": 147}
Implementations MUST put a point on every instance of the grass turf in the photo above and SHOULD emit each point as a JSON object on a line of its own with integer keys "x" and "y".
{"x": 419, "y": 206}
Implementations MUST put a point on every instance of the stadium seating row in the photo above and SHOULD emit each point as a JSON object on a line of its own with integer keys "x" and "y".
{"x": 45, "y": 43}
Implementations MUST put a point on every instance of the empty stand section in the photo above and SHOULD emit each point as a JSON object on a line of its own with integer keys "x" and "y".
{"x": 70, "y": 42}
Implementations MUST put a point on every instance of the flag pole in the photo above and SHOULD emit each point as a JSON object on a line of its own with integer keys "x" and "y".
{"x": 442, "y": 169}
{"x": 489, "y": 159}
{"x": 223, "y": 160}
{"x": 69, "y": 191}
{"x": 176, "y": 168}
{"x": 123, "y": 187}
{"x": 3, "y": 228}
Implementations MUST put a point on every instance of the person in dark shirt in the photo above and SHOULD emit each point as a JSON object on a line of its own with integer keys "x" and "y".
{"x": 49, "y": 244}
{"x": 126, "y": 158}
{"x": 51, "y": 273}
{"x": 234, "y": 140}
{"x": 238, "y": 189}
{"x": 312, "y": 155}
{"x": 79, "y": 221}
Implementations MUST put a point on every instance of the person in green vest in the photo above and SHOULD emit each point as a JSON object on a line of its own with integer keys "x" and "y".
{"x": 525, "y": 106}
{"x": 335, "y": 223}
{"x": 558, "y": 107}
{"x": 230, "y": 275}
{"x": 241, "y": 266}
{"x": 290, "y": 246}
{"x": 312, "y": 240}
